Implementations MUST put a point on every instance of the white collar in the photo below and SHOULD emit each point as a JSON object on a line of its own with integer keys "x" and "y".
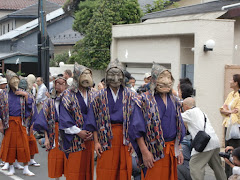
{"x": 115, "y": 96}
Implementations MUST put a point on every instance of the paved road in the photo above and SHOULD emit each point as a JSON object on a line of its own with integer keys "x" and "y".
{"x": 41, "y": 172}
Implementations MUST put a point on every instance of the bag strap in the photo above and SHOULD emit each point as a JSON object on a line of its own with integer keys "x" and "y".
{"x": 205, "y": 119}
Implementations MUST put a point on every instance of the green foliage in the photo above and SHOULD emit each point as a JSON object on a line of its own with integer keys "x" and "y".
{"x": 159, "y": 5}
{"x": 64, "y": 57}
{"x": 71, "y": 5}
{"x": 95, "y": 22}
{"x": 19, "y": 73}
{"x": 84, "y": 15}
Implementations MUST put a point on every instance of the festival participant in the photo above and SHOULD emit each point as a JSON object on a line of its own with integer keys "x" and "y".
{"x": 23, "y": 84}
{"x": 77, "y": 142}
{"x": 48, "y": 121}
{"x": 157, "y": 128}
{"x": 109, "y": 118}
{"x": 16, "y": 111}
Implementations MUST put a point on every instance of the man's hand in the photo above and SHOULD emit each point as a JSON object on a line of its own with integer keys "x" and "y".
{"x": 180, "y": 158}
{"x": 98, "y": 149}
{"x": 83, "y": 134}
{"x": 148, "y": 159}
{"x": 47, "y": 143}
{"x": 130, "y": 148}
{"x": 89, "y": 136}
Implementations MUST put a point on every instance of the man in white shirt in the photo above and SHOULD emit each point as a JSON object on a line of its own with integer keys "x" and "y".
{"x": 41, "y": 94}
{"x": 193, "y": 117}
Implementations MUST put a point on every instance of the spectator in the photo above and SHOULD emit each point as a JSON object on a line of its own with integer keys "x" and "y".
{"x": 235, "y": 163}
{"x": 231, "y": 113}
{"x": 103, "y": 82}
{"x": 132, "y": 82}
{"x": 194, "y": 118}
{"x": 68, "y": 76}
{"x": 185, "y": 91}
{"x": 100, "y": 86}
{"x": 146, "y": 86}
{"x": 41, "y": 94}
{"x": 3, "y": 83}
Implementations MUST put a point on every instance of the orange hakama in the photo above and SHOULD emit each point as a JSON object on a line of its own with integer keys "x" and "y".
{"x": 115, "y": 163}
{"x": 15, "y": 142}
{"x": 56, "y": 159}
{"x": 87, "y": 160}
{"x": 32, "y": 145}
{"x": 165, "y": 168}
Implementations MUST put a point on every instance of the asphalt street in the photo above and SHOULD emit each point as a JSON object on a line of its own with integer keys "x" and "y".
{"x": 42, "y": 174}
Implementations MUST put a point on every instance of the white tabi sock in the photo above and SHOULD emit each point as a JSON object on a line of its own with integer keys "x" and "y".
{"x": 11, "y": 170}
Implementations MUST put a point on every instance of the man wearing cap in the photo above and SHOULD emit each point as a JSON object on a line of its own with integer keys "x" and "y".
{"x": 48, "y": 121}
{"x": 77, "y": 142}
{"x": 109, "y": 118}
{"x": 3, "y": 83}
{"x": 157, "y": 129}
{"x": 15, "y": 114}
{"x": 146, "y": 86}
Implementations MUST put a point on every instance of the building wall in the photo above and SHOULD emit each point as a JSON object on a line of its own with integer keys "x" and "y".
{"x": 20, "y": 22}
{"x": 209, "y": 67}
{"x": 237, "y": 42}
{"x": 62, "y": 49}
{"x": 7, "y": 26}
{"x": 28, "y": 44}
{"x": 4, "y": 13}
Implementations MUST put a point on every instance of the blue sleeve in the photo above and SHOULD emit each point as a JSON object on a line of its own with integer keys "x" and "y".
{"x": 40, "y": 123}
{"x": 65, "y": 118}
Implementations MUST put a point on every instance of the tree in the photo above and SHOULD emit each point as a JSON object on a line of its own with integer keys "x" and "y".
{"x": 159, "y": 5}
{"x": 94, "y": 49}
{"x": 64, "y": 57}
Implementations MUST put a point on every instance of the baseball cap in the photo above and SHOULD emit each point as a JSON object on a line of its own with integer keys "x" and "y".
{"x": 3, "y": 81}
{"x": 147, "y": 75}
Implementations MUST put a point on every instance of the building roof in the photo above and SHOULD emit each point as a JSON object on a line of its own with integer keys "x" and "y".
{"x": 30, "y": 25}
{"x": 213, "y": 6}
{"x": 67, "y": 37}
{"x": 20, "y": 4}
{"x": 31, "y": 11}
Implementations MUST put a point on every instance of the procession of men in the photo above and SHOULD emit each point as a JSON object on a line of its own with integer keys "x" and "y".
{"x": 77, "y": 120}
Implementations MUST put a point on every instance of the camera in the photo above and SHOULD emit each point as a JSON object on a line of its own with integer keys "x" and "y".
{"x": 227, "y": 155}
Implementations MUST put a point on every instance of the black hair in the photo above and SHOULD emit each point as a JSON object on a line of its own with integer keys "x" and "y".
{"x": 185, "y": 81}
{"x": 236, "y": 78}
{"x": 187, "y": 90}
{"x": 236, "y": 153}
{"x": 103, "y": 80}
{"x": 127, "y": 74}
{"x": 60, "y": 75}
{"x": 132, "y": 78}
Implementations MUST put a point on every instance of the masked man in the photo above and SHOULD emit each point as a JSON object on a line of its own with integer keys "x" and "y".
{"x": 74, "y": 107}
{"x": 48, "y": 121}
{"x": 109, "y": 119}
{"x": 157, "y": 128}
{"x": 23, "y": 84}
{"x": 15, "y": 113}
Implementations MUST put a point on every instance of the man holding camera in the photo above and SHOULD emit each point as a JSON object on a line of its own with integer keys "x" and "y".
{"x": 194, "y": 118}
{"x": 232, "y": 158}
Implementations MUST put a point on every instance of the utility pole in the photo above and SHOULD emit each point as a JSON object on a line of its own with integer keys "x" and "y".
{"x": 43, "y": 43}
